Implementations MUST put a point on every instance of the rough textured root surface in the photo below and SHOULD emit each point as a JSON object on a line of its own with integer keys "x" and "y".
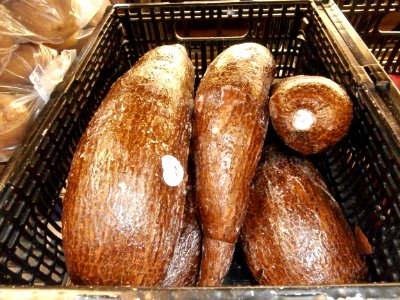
{"x": 216, "y": 259}
{"x": 230, "y": 125}
{"x": 185, "y": 264}
{"x": 124, "y": 204}
{"x": 310, "y": 113}
{"x": 295, "y": 232}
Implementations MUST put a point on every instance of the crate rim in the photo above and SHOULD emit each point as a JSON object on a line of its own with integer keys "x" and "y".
{"x": 316, "y": 292}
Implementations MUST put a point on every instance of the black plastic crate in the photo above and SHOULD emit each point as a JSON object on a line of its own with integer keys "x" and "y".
{"x": 363, "y": 170}
{"x": 384, "y": 292}
{"x": 368, "y": 18}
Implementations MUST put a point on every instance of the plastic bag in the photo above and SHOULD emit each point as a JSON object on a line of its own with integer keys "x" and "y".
{"x": 76, "y": 41}
{"x": 21, "y": 62}
{"x": 97, "y": 6}
{"x": 81, "y": 37}
{"x": 28, "y": 72}
{"x": 17, "y": 112}
{"x": 46, "y": 78}
{"x": 12, "y": 32}
{"x": 21, "y": 102}
{"x": 53, "y": 20}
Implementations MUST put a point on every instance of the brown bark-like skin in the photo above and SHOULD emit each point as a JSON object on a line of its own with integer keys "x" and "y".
{"x": 329, "y": 104}
{"x": 185, "y": 264}
{"x": 295, "y": 232}
{"x": 121, "y": 220}
{"x": 230, "y": 126}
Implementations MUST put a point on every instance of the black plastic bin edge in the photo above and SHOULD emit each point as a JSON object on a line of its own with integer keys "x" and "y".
{"x": 367, "y": 16}
{"x": 371, "y": 78}
{"x": 371, "y": 75}
{"x": 356, "y": 292}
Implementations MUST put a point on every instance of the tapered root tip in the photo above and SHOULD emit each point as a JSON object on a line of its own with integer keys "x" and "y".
{"x": 216, "y": 260}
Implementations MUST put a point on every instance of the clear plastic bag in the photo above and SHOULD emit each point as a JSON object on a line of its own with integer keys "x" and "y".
{"x": 12, "y": 33}
{"x": 22, "y": 61}
{"x": 20, "y": 103}
{"x": 18, "y": 107}
{"x": 97, "y": 17}
{"x": 76, "y": 41}
{"x": 29, "y": 70}
{"x": 81, "y": 37}
{"x": 53, "y": 20}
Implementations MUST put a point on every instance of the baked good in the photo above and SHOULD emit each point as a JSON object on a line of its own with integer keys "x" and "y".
{"x": 22, "y": 61}
{"x": 51, "y": 19}
{"x": 7, "y": 44}
{"x": 15, "y": 118}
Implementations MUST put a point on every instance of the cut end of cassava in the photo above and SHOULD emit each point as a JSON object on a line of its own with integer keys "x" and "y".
{"x": 310, "y": 113}
{"x": 216, "y": 260}
{"x": 303, "y": 119}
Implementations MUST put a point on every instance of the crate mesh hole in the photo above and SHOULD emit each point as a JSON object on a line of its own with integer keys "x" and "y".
{"x": 59, "y": 269}
{"x": 27, "y": 276}
{"x": 55, "y": 229}
{"x": 37, "y": 253}
{"x": 21, "y": 253}
{"x": 48, "y": 261}
{"x": 14, "y": 267}
{"x": 56, "y": 277}
{"x": 44, "y": 269}
{"x": 6, "y": 232}
{"x": 39, "y": 282}
{"x": 60, "y": 256}
{"x": 33, "y": 262}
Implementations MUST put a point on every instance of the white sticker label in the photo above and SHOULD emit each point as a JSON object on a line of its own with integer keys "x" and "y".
{"x": 35, "y": 77}
{"x": 172, "y": 170}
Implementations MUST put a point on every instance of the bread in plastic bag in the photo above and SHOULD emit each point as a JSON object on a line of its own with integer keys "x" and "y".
{"x": 6, "y": 44}
{"x": 17, "y": 109}
{"x": 97, "y": 17}
{"x": 29, "y": 72}
{"x": 20, "y": 103}
{"x": 76, "y": 41}
{"x": 53, "y": 19}
{"x": 81, "y": 37}
{"x": 22, "y": 61}
{"x": 12, "y": 32}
